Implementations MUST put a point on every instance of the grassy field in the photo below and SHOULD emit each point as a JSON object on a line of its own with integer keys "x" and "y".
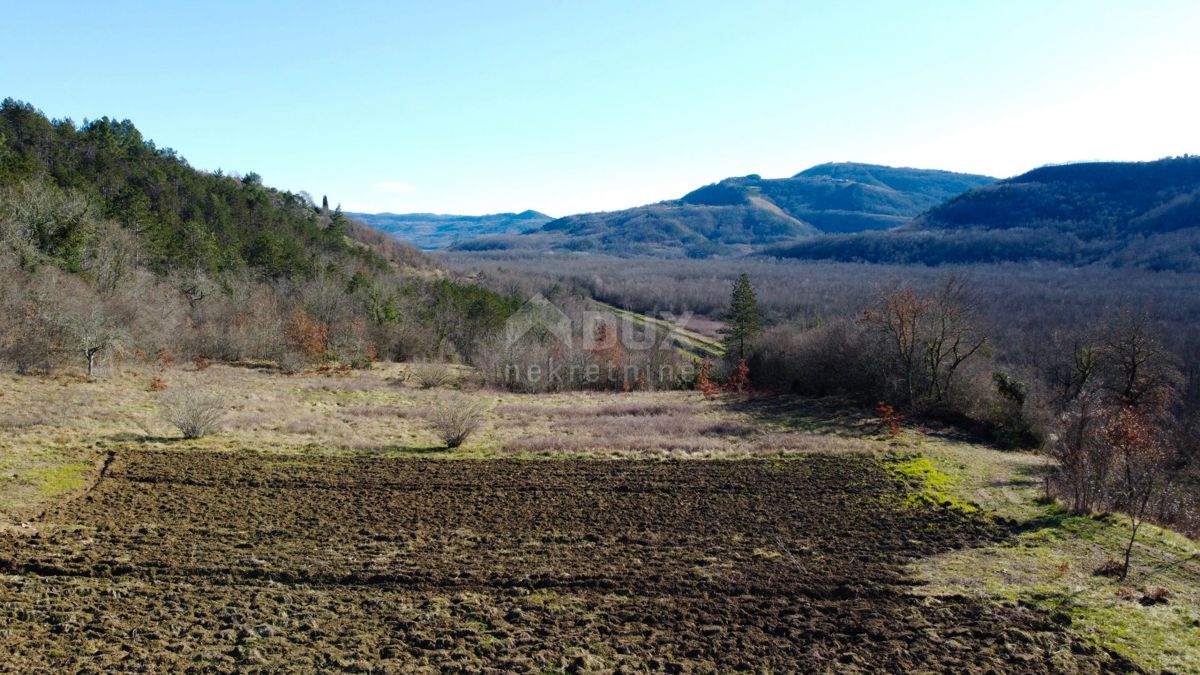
{"x": 57, "y": 432}
{"x": 1052, "y": 558}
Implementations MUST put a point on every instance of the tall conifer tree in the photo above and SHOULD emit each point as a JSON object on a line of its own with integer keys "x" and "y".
{"x": 743, "y": 320}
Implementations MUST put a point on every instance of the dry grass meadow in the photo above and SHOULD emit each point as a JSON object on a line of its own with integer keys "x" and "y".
{"x": 53, "y": 430}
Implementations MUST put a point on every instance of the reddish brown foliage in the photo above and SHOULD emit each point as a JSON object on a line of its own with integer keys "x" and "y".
{"x": 610, "y": 357}
{"x": 164, "y": 358}
{"x": 740, "y": 380}
{"x": 889, "y": 417}
{"x": 1142, "y": 458}
{"x": 337, "y": 368}
{"x": 307, "y": 335}
{"x": 703, "y": 380}
{"x": 641, "y": 384}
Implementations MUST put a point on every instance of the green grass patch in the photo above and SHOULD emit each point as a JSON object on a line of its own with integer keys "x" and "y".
{"x": 1051, "y": 566}
{"x": 1050, "y": 561}
{"x": 934, "y": 487}
{"x": 59, "y": 480}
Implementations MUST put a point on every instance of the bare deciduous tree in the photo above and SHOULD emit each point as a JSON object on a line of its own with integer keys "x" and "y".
{"x": 954, "y": 336}
{"x": 1139, "y": 369}
{"x": 112, "y": 258}
{"x": 1084, "y": 459}
{"x": 926, "y": 339}
{"x": 91, "y": 331}
{"x": 1142, "y": 459}
{"x": 1070, "y": 366}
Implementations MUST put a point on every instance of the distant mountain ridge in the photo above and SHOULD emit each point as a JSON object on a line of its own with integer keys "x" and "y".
{"x": 431, "y": 231}
{"x": 737, "y": 215}
{"x": 1127, "y": 213}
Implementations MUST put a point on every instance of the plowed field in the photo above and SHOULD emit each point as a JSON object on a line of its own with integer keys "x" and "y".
{"x": 210, "y": 561}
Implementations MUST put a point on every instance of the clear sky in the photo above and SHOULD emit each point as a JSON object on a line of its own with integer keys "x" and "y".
{"x": 570, "y": 106}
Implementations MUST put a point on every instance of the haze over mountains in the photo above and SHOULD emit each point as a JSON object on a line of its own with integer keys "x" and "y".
{"x": 737, "y": 215}
{"x": 432, "y": 231}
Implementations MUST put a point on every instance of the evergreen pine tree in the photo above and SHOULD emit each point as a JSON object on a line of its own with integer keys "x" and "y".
{"x": 743, "y": 320}
{"x": 337, "y": 223}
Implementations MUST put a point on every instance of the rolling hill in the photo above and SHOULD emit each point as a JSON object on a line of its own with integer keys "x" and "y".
{"x": 81, "y": 178}
{"x": 736, "y": 215}
{"x": 109, "y": 242}
{"x": 1126, "y": 213}
{"x": 431, "y": 231}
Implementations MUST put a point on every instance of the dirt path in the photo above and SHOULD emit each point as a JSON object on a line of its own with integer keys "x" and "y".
{"x": 227, "y": 562}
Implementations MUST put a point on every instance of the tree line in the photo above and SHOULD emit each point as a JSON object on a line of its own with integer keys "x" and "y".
{"x": 1107, "y": 398}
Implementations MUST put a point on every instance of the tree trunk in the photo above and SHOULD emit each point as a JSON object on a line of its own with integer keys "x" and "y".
{"x": 1129, "y": 548}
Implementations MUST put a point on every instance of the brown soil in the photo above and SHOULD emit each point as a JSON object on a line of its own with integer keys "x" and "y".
{"x": 224, "y": 562}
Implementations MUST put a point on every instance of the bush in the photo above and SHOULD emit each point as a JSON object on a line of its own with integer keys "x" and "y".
{"x": 196, "y": 413}
{"x": 292, "y": 363}
{"x": 430, "y": 375}
{"x": 455, "y": 421}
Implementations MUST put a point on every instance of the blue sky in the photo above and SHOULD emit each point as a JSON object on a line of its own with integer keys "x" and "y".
{"x": 565, "y": 107}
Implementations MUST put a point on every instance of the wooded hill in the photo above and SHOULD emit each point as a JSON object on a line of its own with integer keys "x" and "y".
{"x": 97, "y": 217}
{"x": 1145, "y": 214}
{"x": 736, "y": 215}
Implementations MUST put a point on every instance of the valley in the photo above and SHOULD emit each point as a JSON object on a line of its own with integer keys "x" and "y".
{"x": 284, "y": 401}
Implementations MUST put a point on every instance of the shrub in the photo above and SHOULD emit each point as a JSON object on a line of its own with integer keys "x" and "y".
{"x": 1155, "y": 596}
{"x": 164, "y": 359}
{"x": 739, "y": 380}
{"x": 307, "y": 336}
{"x": 455, "y": 421}
{"x": 889, "y": 418}
{"x": 292, "y": 363}
{"x": 429, "y": 375}
{"x": 703, "y": 380}
{"x": 1109, "y": 568}
{"x": 196, "y": 413}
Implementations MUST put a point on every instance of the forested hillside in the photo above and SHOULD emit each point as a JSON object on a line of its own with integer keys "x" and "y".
{"x": 111, "y": 245}
{"x": 739, "y": 214}
{"x": 1145, "y": 214}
